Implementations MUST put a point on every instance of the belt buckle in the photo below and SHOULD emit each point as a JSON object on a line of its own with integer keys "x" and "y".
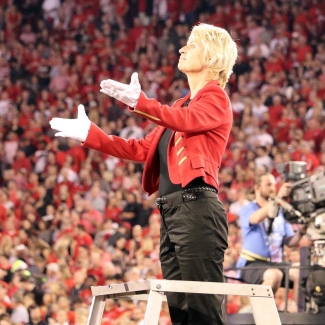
{"x": 188, "y": 197}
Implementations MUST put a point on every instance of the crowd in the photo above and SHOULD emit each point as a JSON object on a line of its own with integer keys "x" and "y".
{"x": 72, "y": 218}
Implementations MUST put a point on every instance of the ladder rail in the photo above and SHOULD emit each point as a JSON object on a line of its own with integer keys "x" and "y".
{"x": 261, "y": 297}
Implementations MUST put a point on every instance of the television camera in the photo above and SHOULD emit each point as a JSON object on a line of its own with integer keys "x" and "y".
{"x": 306, "y": 203}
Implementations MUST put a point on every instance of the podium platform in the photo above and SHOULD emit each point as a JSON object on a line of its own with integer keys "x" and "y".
{"x": 261, "y": 298}
{"x": 285, "y": 318}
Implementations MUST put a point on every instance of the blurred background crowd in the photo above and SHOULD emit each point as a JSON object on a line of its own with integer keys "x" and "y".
{"x": 72, "y": 218}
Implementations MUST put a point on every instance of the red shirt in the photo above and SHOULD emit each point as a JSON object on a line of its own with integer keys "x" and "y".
{"x": 3, "y": 213}
{"x": 94, "y": 215}
{"x": 283, "y": 126}
{"x": 84, "y": 240}
{"x": 113, "y": 213}
{"x": 275, "y": 113}
{"x": 111, "y": 315}
{"x": 121, "y": 8}
{"x": 312, "y": 134}
{"x": 60, "y": 157}
{"x": 22, "y": 163}
{"x": 135, "y": 32}
{"x": 218, "y": 19}
{"x": 209, "y": 113}
{"x": 310, "y": 159}
{"x": 80, "y": 188}
{"x": 57, "y": 186}
{"x": 68, "y": 202}
{"x": 126, "y": 46}
{"x": 13, "y": 92}
{"x": 173, "y": 8}
{"x": 24, "y": 119}
{"x": 273, "y": 66}
{"x": 98, "y": 273}
{"x": 78, "y": 154}
{"x": 86, "y": 296}
{"x": 189, "y": 5}
{"x": 232, "y": 307}
{"x": 302, "y": 51}
{"x": 12, "y": 234}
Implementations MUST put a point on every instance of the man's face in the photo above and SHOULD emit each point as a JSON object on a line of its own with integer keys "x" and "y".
{"x": 192, "y": 59}
{"x": 267, "y": 187}
{"x": 35, "y": 313}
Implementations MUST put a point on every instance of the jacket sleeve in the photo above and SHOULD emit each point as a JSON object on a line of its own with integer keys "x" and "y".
{"x": 207, "y": 112}
{"x": 132, "y": 149}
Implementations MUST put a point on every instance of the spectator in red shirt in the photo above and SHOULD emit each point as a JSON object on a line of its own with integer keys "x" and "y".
{"x": 113, "y": 209}
{"x": 273, "y": 64}
{"x": 91, "y": 218}
{"x": 304, "y": 153}
{"x": 63, "y": 196}
{"x": 312, "y": 129}
{"x": 82, "y": 237}
{"x": 302, "y": 48}
{"x": 219, "y": 17}
{"x": 275, "y": 110}
{"x": 96, "y": 263}
{"x": 121, "y": 8}
{"x": 111, "y": 312}
{"x": 13, "y": 20}
{"x": 21, "y": 162}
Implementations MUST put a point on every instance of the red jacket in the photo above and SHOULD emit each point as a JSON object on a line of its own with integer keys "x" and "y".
{"x": 198, "y": 141}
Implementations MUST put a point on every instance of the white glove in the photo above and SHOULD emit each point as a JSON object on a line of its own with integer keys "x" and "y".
{"x": 127, "y": 94}
{"x": 72, "y": 128}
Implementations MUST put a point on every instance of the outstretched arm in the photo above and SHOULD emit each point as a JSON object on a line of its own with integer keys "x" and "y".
{"x": 132, "y": 149}
{"x": 93, "y": 137}
{"x": 210, "y": 111}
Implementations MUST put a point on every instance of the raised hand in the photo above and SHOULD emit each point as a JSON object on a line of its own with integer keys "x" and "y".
{"x": 127, "y": 94}
{"x": 72, "y": 128}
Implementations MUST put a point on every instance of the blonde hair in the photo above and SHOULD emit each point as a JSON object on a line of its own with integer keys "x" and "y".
{"x": 220, "y": 51}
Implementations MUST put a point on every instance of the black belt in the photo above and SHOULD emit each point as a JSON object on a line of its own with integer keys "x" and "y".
{"x": 189, "y": 194}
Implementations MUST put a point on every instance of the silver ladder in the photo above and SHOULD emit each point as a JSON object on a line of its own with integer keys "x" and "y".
{"x": 260, "y": 297}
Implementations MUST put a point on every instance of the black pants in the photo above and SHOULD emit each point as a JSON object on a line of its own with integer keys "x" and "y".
{"x": 193, "y": 241}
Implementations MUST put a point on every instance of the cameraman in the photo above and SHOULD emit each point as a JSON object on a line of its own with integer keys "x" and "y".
{"x": 264, "y": 237}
